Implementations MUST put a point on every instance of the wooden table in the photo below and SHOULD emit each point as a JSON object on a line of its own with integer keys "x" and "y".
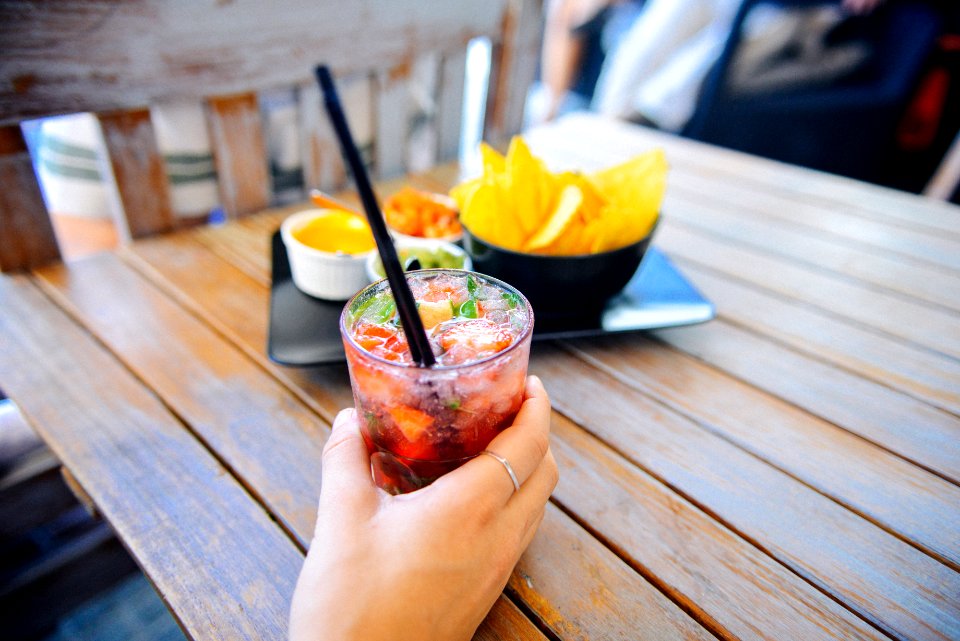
{"x": 788, "y": 470}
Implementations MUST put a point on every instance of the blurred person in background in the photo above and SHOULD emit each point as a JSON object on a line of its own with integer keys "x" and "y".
{"x": 643, "y": 61}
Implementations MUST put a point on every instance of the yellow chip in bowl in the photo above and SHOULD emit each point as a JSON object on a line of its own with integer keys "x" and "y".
{"x": 519, "y": 204}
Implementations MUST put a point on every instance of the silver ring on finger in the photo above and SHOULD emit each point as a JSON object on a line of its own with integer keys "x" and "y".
{"x": 506, "y": 466}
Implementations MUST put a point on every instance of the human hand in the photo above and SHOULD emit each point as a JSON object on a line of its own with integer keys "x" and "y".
{"x": 426, "y": 565}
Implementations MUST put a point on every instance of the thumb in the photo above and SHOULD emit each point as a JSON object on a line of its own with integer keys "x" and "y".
{"x": 346, "y": 462}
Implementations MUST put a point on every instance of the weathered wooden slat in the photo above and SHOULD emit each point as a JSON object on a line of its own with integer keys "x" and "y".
{"x": 914, "y": 323}
{"x": 227, "y": 400}
{"x": 245, "y": 249}
{"x": 137, "y": 178}
{"x": 745, "y": 226}
{"x": 886, "y": 581}
{"x": 904, "y": 499}
{"x": 147, "y": 51}
{"x": 885, "y": 416}
{"x": 423, "y": 91}
{"x": 268, "y": 440}
{"x": 453, "y": 72}
{"x": 240, "y": 154}
{"x": 187, "y": 509}
{"x": 860, "y": 230}
{"x": 513, "y": 68}
{"x": 194, "y": 274}
{"x": 873, "y": 206}
{"x": 392, "y": 120}
{"x": 576, "y": 609}
{"x": 506, "y": 622}
{"x": 25, "y": 226}
{"x": 920, "y": 373}
{"x": 191, "y": 272}
{"x": 732, "y": 170}
{"x": 322, "y": 163}
{"x": 914, "y": 430}
{"x": 735, "y": 589}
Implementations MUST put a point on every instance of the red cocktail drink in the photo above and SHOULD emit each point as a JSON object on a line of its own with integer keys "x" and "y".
{"x": 420, "y": 423}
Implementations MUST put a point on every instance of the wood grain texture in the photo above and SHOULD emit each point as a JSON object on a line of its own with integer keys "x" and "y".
{"x": 505, "y": 622}
{"x": 453, "y": 73}
{"x": 240, "y": 154}
{"x": 137, "y": 53}
{"x": 616, "y": 602}
{"x": 513, "y": 68}
{"x": 734, "y": 589}
{"x": 323, "y": 166}
{"x": 922, "y": 434}
{"x": 194, "y": 275}
{"x": 326, "y": 390}
{"x": 25, "y": 228}
{"x": 743, "y": 225}
{"x": 885, "y": 580}
{"x": 392, "y": 113}
{"x": 738, "y": 172}
{"x": 869, "y": 229}
{"x": 867, "y": 384}
{"x": 915, "y": 323}
{"x": 894, "y": 493}
{"x": 270, "y": 440}
{"x": 137, "y": 174}
{"x": 265, "y": 437}
{"x": 786, "y": 471}
{"x": 920, "y": 373}
{"x": 182, "y": 520}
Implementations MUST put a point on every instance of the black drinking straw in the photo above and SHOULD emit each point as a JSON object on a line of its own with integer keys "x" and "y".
{"x": 417, "y": 340}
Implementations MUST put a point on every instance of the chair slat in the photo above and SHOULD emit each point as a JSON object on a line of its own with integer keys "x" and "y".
{"x": 322, "y": 163}
{"x": 236, "y": 134}
{"x": 26, "y": 231}
{"x": 423, "y": 87}
{"x": 139, "y": 176}
{"x": 125, "y": 55}
{"x": 513, "y": 67}
{"x": 453, "y": 71}
{"x": 392, "y": 118}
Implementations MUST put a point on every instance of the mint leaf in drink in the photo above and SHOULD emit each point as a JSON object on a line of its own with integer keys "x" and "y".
{"x": 472, "y": 286}
{"x": 512, "y": 299}
{"x": 469, "y": 309}
{"x": 376, "y": 309}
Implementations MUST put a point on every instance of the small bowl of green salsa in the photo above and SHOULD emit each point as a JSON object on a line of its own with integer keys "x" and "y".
{"x": 431, "y": 254}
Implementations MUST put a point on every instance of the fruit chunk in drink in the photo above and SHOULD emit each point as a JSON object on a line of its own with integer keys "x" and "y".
{"x": 420, "y": 423}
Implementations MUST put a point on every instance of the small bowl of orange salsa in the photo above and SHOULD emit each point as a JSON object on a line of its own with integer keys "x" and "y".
{"x": 420, "y": 214}
{"x": 328, "y": 250}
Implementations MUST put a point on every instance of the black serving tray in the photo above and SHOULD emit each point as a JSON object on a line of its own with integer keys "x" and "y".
{"x": 305, "y": 330}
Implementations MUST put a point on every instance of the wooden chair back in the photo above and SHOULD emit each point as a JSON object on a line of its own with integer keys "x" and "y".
{"x": 116, "y": 60}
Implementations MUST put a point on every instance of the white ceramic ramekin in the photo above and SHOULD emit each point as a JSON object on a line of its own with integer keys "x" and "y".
{"x": 326, "y": 275}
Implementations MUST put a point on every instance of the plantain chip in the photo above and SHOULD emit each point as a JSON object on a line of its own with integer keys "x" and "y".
{"x": 518, "y": 204}
{"x": 564, "y": 214}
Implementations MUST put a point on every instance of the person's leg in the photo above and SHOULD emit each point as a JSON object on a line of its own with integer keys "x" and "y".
{"x": 561, "y": 56}
{"x": 668, "y": 97}
{"x": 662, "y": 27}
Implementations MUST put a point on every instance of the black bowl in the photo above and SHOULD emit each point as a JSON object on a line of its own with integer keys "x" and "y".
{"x": 560, "y": 285}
